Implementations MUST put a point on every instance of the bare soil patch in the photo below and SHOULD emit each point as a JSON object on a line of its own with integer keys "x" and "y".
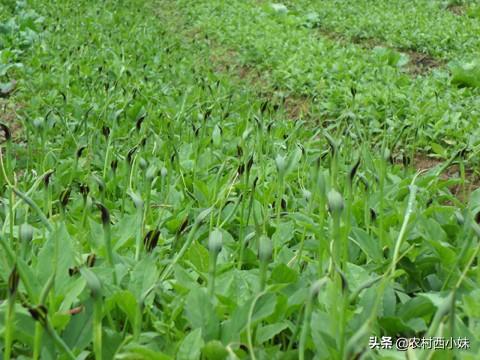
{"x": 457, "y": 9}
{"x": 297, "y": 107}
{"x": 8, "y": 116}
{"x": 419, "y": 63}
{"x": 226, "y": 60}
{"x": 472, "y": 180}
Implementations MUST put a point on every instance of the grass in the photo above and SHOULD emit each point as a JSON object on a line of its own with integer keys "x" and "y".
{"x": 158, "y": 201}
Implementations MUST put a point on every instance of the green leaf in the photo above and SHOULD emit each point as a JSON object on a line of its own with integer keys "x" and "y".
{"x": 200, "y": 313}
{"x": 292, "y": 160}
{"x": 267, "y": 332}
{"x": 127, "y": 302}
{"x": 416, "y": 307}
{"x": 369, "y": 245}
{"x": 471, "y": 302}
{"x": 143, "y": 277}
{"x": 216, "y": 136}
{"x": 24, "y": 324}
{"x": 198, "y": 255}
{"x": 264, "y": 307}
{"x": 283, "y": 234}
{"x": 190, "y": 347}
{"x": 395, "y": 325}
{"x": 324, "y": 341}
{"x": 78, "y": 333}
{"x": 282, "y": 274}
{"x": 139, "y": 352}
{"x": 466, "y": 74}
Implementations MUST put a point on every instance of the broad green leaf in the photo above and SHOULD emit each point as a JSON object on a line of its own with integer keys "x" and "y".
{"x": 267, "y": 332}
{"x": 198, "y": 255}
{"x": 190, "y": 348}
{"x": 127, "y": 302}
{"x": 200, "y": 313}
{"x": 78, "y": 333}
{"x": 283, "y": 274}
{"x": 143, "y": 277}
{"x": 369, "y": 245}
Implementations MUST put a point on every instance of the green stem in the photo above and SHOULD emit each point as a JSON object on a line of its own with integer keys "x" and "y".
{"x": 97, "y": 329}
{"x": 213, "y": 268}
{"x": 108, "y": 247}
{"x": 249, "y": 324}
{"x": 9, "y": 328}
{"x": 138, "y": 240}
{"x": 37, "y": 341}
{"x": 137, "y": 327}
{"x": 59, "y": 342}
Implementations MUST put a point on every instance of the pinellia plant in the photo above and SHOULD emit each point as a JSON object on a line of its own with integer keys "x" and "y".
{"x": 242, "y": 180}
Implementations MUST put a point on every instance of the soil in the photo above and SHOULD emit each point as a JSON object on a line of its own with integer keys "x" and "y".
{"x": 8, "y": 116}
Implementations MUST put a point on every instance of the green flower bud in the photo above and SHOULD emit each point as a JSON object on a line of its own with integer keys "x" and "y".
{"x": 215, "y": 241}
{"x": 38, "y": 123}
{"x": 163, "y": 172}
{"x": 151, "y": 173}
{"x": 265, "y": 248}
{"x": 137, "y": 199}
{"x": 26, "y": 233}
{"x": 335, "y": 202}
{"x": 316, "y": 287}
{"x": 306, "y": 194}
{"x": 142, "y": 163}
{"x": 281, "y": 163}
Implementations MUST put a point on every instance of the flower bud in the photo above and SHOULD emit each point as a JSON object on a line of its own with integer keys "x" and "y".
{"x": 265, "y": 248}
{"x": 316, "y": 287}
{"x": 151, "y": 240}
{"x": 215, "y": 241}
{"x": 26, "y": 233}
{"x": 142, "y": 163}
{"x": 335, "y": 202}
{"x": 137, "y": 199}
{"x": 306, "y": 194}
{"x": 38, "y": 123}
{"x": 39, "y": 314}
{"x": 281, "y": 164}
{"x": 13, "y": 281}
{"x": 105, "y": 214}
{"x": 163, "y": 172}
{"x": 151, "y": 173}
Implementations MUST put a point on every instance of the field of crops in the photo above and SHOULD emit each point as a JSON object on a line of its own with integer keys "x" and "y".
{"x": 219, "y": 179}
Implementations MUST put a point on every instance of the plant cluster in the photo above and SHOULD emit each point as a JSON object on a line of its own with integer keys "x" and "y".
{"x": 155, "y": 207}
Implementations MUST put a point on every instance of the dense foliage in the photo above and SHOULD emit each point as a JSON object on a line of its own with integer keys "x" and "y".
{"x": 235, "y": 180}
